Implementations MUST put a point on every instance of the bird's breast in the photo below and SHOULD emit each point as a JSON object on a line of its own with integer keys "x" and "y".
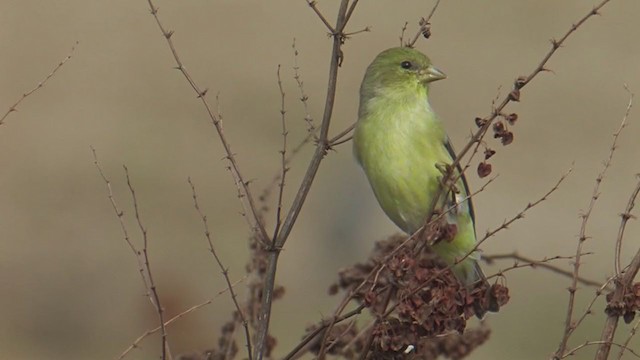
{"x": 399, "y": 151}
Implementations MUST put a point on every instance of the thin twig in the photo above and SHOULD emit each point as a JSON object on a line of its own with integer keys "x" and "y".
{"x": 147, "y": 263}
{"x": 142, "y": 258}
{"x": 14, "y": 107}
{"x": 223, "y": 269}
{"x": 600, "y": 343}
{"x": 624, "y": 218}
{"x": 402, "y": 31}
{"x": 283, "y": 156}
{"x": 304, "y": 98}
{"x": 352, "y": 8}
{"x": 313, "y": 6}
{"x": 123, "y": 228}
{"x": 336, "y": 139}
{"x": 243, "y": 186}
{"x": 520, "y": 215}
{"x": 424, "y": 25}
{"x": 311, "y": 130}
{"x": 543, "y": 263}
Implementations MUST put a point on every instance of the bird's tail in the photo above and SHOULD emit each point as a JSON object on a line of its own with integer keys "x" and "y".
{"x": 470, "y": 274}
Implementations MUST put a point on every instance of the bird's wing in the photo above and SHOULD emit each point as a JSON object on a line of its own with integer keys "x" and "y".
{"x": 453, "y": 155}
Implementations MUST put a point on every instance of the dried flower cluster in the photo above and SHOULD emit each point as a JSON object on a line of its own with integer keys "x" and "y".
{"x": 628, "y": 307}
{"x": 419, "y": 303}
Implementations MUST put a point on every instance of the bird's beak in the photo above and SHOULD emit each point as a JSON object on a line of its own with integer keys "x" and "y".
{"x": 432, "y": 74}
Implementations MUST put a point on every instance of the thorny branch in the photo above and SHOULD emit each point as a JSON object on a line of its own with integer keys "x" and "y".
{"x": 569, "y": 326}
{"x": 145, "y": 253}
{"x": 523, "y": 261}
{"x": 223, "y": 269}
{"x": 14, "y": 107}
{"x": 243, "y": 185}
{"x": 599, "y": 343}
{"x": 425, "y": 27}
{"x": 624, "y": 284}
{"x": 144, "y": 267}
{"x": 311, "y": 131}
{"x": 283, "y": 156}
{"x": 520, "y": 215}
{"x": 623, "y": 124}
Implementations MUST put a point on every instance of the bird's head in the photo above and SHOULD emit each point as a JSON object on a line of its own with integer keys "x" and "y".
{"x": 400, "y": 67}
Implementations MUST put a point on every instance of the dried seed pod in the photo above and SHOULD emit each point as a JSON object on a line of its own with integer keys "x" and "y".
{"x": 511, "y": 118}
{"x": 488, "y": 153}
{"x": 480, "y": 122}
{"x": 484, "y": 169}
{"x": 507, "y": 138}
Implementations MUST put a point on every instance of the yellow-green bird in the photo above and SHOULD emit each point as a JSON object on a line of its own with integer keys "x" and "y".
{"x": 402, "y": 147}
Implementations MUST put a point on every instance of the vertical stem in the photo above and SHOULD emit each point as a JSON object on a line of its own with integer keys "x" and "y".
{"x": 264, "y": 315}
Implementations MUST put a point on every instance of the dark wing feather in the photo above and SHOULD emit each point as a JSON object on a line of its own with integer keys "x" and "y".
{"x": 453, "y": 155}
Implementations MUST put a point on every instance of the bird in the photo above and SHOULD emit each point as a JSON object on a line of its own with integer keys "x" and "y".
{"x": 403, "y": 148}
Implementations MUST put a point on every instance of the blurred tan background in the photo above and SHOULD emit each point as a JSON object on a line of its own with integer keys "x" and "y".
{"x": 68, "y": 282}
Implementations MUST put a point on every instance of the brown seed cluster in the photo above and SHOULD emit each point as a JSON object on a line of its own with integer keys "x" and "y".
{"x": 628, "y": 307}
{"x": 418, "y": 301}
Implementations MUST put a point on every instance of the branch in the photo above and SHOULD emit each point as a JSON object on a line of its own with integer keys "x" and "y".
{"x": 321, "y": 150}
{"x": 600, "y": 343}
{"x": 625, "y": 216}
{"x": 283, "y": 155}
{"x": 569, "y": 326}
{"x": 243, "y": 186}
{"x": 223, "y": 269}
{"x": 152, "y": 286}
{"x": 623, "y": 282}
{"x": 144, "y": 267}
{"x": 425, "y": 27}
{"x": 543, "y": 263}
{"x": 304, "y": 98}
{"x": 14, "y": 107}
{"x": 520, "y": 215}
{"x": 120, "y": 216}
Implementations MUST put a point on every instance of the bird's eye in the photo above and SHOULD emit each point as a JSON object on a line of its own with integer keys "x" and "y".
{"x": 406, "y": 64}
